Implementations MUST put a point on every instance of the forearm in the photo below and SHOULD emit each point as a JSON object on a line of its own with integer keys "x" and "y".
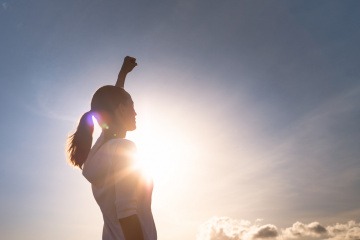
{"x": 128, "y": 65}
{"x": 131, "y": 228}
{"x": 120, "y": 82}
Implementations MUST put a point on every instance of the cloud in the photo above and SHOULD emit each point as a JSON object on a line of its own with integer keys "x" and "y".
{"x": 301, "y": 230}
{"x": 5, "y": 5}
{"x": 347, "y": 231}
{"x": 224, "y": 228}
{"x": 266, "y": 231}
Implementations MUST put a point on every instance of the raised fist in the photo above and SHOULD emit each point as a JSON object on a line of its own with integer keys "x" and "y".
{"x": 128, "y": 64}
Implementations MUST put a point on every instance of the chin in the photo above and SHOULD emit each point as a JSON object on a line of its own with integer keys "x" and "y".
{"x": 132, "y": 128}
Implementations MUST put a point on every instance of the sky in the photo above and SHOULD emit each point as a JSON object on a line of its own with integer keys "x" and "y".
{"x": 248, "y": 114}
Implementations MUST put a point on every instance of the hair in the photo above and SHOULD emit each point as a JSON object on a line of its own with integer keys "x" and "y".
{"x": 103, "y": 104}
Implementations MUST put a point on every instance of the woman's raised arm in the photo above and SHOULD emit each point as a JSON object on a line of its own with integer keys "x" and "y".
{"x": 128, "y": 65}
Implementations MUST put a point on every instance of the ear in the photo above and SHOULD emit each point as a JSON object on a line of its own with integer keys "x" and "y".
{"x": 120, "y": 109}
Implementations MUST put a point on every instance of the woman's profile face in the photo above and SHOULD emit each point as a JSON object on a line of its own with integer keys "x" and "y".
{"x": 127, "y": 115}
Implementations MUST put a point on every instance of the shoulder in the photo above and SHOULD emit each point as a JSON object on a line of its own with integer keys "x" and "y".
{"x": 121, "y": 148}
{"x": 122, "y": 144}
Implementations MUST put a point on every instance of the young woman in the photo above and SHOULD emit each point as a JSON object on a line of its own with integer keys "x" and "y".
{"x": 121, "y": 192}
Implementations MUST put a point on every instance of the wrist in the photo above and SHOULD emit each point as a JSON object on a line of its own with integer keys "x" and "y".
{"x": 122, "y": 74}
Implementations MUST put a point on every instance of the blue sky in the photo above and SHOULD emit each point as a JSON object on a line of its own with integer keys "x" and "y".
{"x": 251, "y": 108}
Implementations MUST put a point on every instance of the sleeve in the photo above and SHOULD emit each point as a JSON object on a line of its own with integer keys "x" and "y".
{"x": 126, "y": 182}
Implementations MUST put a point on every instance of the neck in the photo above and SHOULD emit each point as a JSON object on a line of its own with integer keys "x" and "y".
{"x": 114, "y": 134}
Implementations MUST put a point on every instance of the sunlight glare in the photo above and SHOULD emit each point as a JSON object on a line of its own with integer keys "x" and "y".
{"x": 97, "y": 130}
{"x": 161, "y": 150}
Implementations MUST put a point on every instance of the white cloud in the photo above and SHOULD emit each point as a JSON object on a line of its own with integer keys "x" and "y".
{"x": 265, "y": 232}
{"x": 224, "y": 228}
{"x": 300, "y": 230}
{"x": 347, "y": 231}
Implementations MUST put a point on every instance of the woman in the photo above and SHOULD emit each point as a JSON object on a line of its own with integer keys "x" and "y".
{"x": 123, "y": 196}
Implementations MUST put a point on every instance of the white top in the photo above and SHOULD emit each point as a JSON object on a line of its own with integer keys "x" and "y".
{"x": 119, "y": 189}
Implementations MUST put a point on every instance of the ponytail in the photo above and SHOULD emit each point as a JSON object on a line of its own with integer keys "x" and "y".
{"x": 79, "y": 143}
{"x": 103, "y": 104}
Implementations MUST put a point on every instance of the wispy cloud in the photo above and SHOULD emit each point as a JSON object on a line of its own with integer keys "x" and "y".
{"x": 43, "y": 109}
{"x": 224, "y": 228}
{"x": 5, "y": 5}
{"x": 318, "y": 158}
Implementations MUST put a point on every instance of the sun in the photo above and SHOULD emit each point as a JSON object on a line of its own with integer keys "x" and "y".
{"x": 163, "y": 148}
{"x": 155, "y": 153}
